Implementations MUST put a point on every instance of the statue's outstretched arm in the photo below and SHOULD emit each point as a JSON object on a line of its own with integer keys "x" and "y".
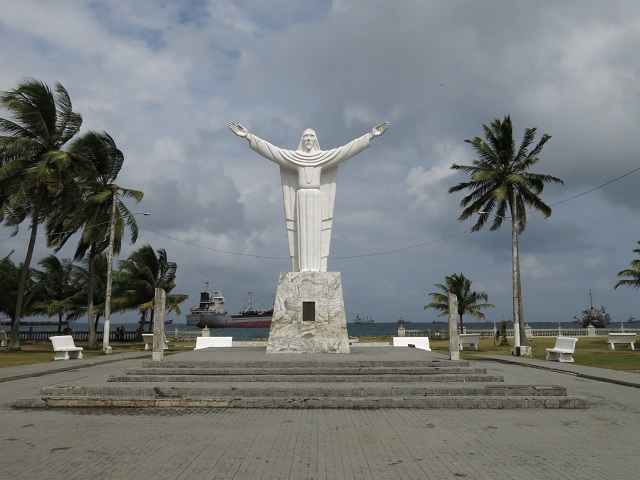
{"x": 379, "y": 129}
{"x": 239, "y": 129}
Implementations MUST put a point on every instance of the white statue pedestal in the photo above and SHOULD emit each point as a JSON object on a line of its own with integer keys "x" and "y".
{"x": 308, "y": 315}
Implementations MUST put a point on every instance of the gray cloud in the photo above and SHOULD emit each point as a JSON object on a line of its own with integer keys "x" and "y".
{"x": 164, "y": 81}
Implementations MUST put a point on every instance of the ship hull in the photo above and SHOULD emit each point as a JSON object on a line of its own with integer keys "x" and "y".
{"x": 596, "y": 322}
{"x": 209, "y": 320}
{"x": 248, "y": 322}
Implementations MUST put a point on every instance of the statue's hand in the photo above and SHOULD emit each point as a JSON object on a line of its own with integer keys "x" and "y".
{"x": 379, "y": 129}
{"x": 238, "y": 129}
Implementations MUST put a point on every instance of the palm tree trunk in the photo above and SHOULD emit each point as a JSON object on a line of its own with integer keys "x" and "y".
{"x": 518, "y": 317}
{"x": 14, "y": 337}
{"x": 150, "y": 328}
{"x": 140, "y": 330}
{"x": 59, "y": 322}
{"x": 96, "y": 322}
{"x": 92, "y": 341}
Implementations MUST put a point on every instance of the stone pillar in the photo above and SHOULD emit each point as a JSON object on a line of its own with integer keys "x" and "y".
{"x": 158, "y": 325}
{"x": 308, "y": 315}
{"x": 206, "y": 332}
{"x": 591, "y": 331}
{"x": 401, "y": 331}
{"x": 454, "y": 345}
{"x": 528, "y": 333}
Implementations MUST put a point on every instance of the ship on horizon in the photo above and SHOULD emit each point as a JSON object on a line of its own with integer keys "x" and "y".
{"x": 598, "y": 317}
{"x": 360, "y": 319}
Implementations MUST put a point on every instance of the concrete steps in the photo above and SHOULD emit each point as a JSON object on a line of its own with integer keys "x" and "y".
{"x": 319, "y": 373}
{"x": 457, "y": 402}
{"x": 327, "y": 381}
{"x": 308, "y": 378}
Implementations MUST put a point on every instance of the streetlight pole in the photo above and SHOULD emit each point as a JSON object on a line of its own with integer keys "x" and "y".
{"x": 107, "y": 303}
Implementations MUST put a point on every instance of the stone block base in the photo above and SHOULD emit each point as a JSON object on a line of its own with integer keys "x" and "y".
{"x": 308, "y": 315}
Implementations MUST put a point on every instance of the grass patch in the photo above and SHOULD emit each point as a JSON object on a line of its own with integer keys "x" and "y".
{"x": 42, "y": 351}
{"x": 590, "y": 352}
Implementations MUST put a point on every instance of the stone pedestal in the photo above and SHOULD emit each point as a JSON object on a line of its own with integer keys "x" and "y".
{"x": 308, "y": 315}
{"x": 159, "y": 343}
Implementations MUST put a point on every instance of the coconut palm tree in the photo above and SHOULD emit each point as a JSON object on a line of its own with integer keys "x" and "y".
{"x": 503, "y": 188}
{"x": 81, "y": 281}
{"x": 56, "y": 286}
{"x": 631, "y": 275}
{"x": 139, "y": 276}
{"x": 468, "y": 300}
{"x": 9, "y": 280}
{"x": 34, "y": 170}
{"x": 90, "y": 209}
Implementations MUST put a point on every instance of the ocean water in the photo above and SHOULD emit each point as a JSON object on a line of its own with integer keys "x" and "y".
{"x": 354, "y": 330}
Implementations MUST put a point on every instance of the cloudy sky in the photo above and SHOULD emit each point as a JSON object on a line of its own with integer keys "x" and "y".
{"x": 164, "y": 78}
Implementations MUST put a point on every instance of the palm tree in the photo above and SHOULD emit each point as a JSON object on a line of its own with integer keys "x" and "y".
{"x": 81, "y": 281}
{"x": 139, "y": 276}
{"x": 34, "y": 170}
{"x": 9, "y": 280}
{"x": 468, "y": 301}
{"x": 503, "y": 188}
{"x": 92, "y": 207}
{"x": 632, "y": 274}
{"x": 57, "y": 288}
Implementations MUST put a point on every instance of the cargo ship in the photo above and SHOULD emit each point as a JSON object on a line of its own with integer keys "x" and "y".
{"x": 250, "y": 317}
{"x": 211, "y": 313}
{"x": 598, "y": 317}
{"x": 360, "y": 319}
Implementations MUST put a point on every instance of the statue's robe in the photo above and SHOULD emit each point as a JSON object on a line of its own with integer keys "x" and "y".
{"x": 309, "y": 190}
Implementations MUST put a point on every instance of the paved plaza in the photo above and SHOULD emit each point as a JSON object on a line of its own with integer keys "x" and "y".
{"x": 602, "y": 441}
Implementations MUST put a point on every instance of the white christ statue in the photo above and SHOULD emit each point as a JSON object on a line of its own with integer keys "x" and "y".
{"x": 309, "y": 177}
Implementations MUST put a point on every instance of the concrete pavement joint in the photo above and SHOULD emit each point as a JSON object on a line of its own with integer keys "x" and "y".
{"x": 599, "y": 378}
{"x": 365, "y": 443}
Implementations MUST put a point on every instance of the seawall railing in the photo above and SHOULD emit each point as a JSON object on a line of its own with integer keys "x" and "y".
{"x": 173, "y": 335}
{"x": 529, "y": 331}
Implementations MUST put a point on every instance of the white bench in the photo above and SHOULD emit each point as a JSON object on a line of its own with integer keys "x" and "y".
{"x": 472, "y": 339}
{"x": 417, "y": 342}
{"x": 614, "y": 338}
{"x": 64, "y": 347}
{"x": 147, "y": 338}
{"x": 206, "y": 342}
{"x": 563, "y": 350}
{"x": 3, "y": 338}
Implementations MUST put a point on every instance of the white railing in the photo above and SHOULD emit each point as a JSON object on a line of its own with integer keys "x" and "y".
{"x": 530, "y": 332}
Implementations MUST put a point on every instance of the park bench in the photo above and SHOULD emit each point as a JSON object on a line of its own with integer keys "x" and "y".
{"x": 3, "y": 338}
{"x": 472, "y": 339}
{"x": 147, "y": 338}
{"x": 64, "y": 347}
{"x": 206, "y": 342}
{"x": 563, "y": 350}
{"x": 614, "y": 338}
{"x": 417, "y": 342}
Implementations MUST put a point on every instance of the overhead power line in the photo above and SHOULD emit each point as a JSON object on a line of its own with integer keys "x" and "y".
{"x": 387, "y": 252}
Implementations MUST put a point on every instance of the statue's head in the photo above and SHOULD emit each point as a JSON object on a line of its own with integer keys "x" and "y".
{"x": 309, "y": 142}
